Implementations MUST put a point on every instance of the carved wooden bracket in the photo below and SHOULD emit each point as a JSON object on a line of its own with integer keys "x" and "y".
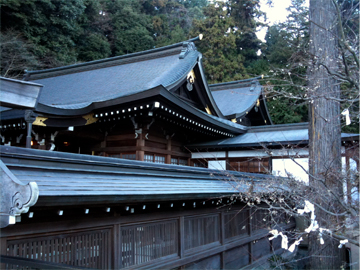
{"x": 16, "y": 197}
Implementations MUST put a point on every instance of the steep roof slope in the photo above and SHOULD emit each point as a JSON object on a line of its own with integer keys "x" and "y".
{"x": 237, "y": 99}
{"x": 82, "y": 87}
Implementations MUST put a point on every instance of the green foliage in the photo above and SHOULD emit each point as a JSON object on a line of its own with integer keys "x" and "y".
{"x": 246, "y": 15}
{"x": 51, "y": 26}
{"x": 61, "y": 32}
{"x": 278, "y": 262}
{"x": 93, "y": 46}
{"x": 286, "y": 55}
{"x": 132, "y": 29}
{"x": 172, "y": 19}
{"x": 284, "y": 110}
{"x": 276, "y": 53}
{"x": 221, "y": 60}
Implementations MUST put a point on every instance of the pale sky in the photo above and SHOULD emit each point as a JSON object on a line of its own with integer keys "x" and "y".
{"x": 276, "y": 13}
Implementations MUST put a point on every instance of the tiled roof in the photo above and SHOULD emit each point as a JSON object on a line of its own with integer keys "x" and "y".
{"x": 236, "y": 98}
{"x": 78, "y": 86}
{"x": 69, "y": 178}
{"x": 269, "y": 135}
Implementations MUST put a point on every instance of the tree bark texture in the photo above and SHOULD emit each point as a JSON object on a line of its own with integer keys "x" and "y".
{"x": 324, "y": 128}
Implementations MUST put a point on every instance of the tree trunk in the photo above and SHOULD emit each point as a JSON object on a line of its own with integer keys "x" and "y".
{"x": 324, "y": 128}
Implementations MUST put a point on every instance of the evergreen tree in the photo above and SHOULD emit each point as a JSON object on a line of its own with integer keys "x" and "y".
{"x": 172, "y": 19}
{"x": 96, "y": 38}
{"x": 52, "y": 26}
{"x": 286, "y": 55}
{"x": 246, "y": 15}
{"x": 132, "y": 29}
{"x": 221, "y": 59}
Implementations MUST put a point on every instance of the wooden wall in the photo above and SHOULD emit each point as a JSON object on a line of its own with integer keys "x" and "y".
{"x": 152, "y": 145}
{"x": 208, "y": 238}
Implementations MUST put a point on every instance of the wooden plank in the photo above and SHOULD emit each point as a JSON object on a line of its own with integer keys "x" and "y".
{"x": 222, "y": 228}
{"x": 122, "y": 137}
{"x": 116, "y": 247}
{"x": 35, "y": 264}
{"x": 121, "y": 149}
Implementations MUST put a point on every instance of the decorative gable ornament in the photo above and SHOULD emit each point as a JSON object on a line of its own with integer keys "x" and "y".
{"x": 187, "y": 47}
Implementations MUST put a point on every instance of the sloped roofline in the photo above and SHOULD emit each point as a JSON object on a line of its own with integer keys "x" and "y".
{"x": 181, "y": 49}
{"x": 96, "y": 64}
{"x": 226, "y": 84}
{"x": 207, "y": 89}
{"x": 239, "y": 84}
{"x": 117, "y": 173}
{"x": 279, "y": 127}
{"x": 291, "y": 131}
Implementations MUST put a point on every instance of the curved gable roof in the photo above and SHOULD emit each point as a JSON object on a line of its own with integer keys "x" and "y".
{"x": 236, "y": 98}
{"x": 78, "y": 86}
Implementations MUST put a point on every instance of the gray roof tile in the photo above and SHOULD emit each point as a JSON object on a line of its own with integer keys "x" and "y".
{"x": 64, "y": 174}
{"x": 274, "y": 135}
{"x": 236, "y": 97}
{"x": 78, "y": 90}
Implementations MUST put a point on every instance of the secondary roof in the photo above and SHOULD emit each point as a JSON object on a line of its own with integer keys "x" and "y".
{"x": 69, "y": 179}
{"x": 280, "y": 135}
{"x": 239, "y": 98}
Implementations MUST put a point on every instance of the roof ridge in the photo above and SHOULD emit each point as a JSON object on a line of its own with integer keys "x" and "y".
{"x": 181, "y": 48}
{"x": 279, "y": 127}
{"x": 235, "y": 82}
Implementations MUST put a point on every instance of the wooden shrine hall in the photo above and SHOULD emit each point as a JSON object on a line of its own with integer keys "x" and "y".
{"x": 99, "y": 167}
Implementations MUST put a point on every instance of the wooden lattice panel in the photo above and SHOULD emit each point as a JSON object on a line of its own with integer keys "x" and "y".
{"x": 236, "y": 223}
{"x": 200, "y": 231}
{"x": 87, "y": 249}
{"x": 146, "y": 242}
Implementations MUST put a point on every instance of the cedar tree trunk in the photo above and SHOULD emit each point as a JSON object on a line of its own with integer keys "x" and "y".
{"x": 324, "y": 129}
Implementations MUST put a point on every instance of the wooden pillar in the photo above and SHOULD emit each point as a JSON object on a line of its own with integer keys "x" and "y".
{"x": 227, "y": 162}
{"x": 222, "y": 239}
{"x": 168, "y": 148}
{"x": 30, "y": 117}
{"x": 116, "y": 250}
{"x": 140, "y": 143}
{"x": 181, "y": 237}
{"x": 3, "y": 250}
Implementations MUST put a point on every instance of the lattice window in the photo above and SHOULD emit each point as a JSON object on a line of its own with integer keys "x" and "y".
{"x": 260, "y": 219}
{"x": 159, "y": 159}
{"x": 202, "y": 164}
{"x": 131, "y": 156}
{"x": 250, "y": 165}
{"x": 87, "y": 249}
{"x": 201, "y": 231}
{"x": 148, "y": 158}
{"x": 128, "y": 156}
{"x": 236, "y": 224}
{"x": 179, "y": 161}
{"x": 183, "y": 162}
{"x": 154, "y": 158}
{"x": 146, "y": 242}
